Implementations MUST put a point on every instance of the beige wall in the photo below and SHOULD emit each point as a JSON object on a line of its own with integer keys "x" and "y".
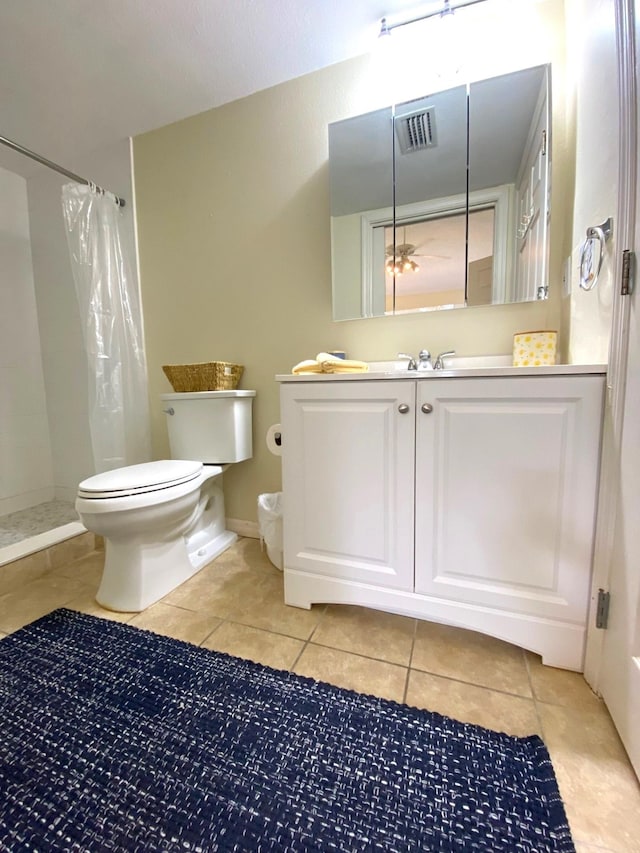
{"x": 234, "y": 238}
{"x": 415, "y": 301}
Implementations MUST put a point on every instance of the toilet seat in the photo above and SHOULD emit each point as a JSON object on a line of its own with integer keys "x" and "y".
{"x": 139, "y": 479}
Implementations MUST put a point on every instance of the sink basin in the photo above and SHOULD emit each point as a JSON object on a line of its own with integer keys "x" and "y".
{"x": 469, "y": 362}
{"x": 454, "y": 362}
{"x": 389, "y": 367}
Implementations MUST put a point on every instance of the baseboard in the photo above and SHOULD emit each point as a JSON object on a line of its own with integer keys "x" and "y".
{"x": 243, "y": 528}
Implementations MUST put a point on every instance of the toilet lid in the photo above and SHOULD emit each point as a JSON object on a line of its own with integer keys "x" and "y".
{"x": 136, "y": 479}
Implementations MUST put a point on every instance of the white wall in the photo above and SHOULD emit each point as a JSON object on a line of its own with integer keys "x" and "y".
{"x": 65, "y": 364}
{"x": 26, "y": 474}
{"x": 592, "y": 58}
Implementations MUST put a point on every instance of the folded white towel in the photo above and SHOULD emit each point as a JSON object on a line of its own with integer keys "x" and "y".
{"x": 350, "y": 367}
{"x": 310, "y": 365}
{"x": 324, "y": 362}
{"x": 333, "y": 364}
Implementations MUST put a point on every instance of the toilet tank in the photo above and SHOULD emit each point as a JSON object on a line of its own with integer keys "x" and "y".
{"x": 210, "y": 426}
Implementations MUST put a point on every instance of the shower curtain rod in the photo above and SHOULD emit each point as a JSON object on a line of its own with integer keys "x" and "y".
{"x": 51, "y": 165}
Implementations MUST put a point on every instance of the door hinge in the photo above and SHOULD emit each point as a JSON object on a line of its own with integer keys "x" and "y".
{"x": 544, "y": 142}
{"x": 602, "y": 610}
{"x": 627, "y": 278}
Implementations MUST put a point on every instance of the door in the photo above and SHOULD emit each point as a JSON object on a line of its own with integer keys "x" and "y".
{"x": 347, "y": 476}
{"x": 620, "y": 668}
{"x": 619, "y": 681}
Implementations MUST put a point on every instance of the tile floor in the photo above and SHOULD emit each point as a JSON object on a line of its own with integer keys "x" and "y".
{"x": 236, "y": 605}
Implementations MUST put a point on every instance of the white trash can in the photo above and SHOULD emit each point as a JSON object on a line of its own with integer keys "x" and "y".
{"x": 270, "y": 526}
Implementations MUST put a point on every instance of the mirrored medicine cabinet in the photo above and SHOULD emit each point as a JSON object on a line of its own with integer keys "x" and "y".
{"x": 444, "y": 201}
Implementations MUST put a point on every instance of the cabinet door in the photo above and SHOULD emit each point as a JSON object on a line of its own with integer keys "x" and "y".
{"x": 348, "y": 485}
{"x": 506, "y": 492}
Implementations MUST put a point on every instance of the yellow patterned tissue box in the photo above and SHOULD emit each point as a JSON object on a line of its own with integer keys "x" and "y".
{"x": 533, "y": 349}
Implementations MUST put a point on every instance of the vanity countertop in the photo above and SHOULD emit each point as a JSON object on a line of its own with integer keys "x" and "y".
{"x": 429, "y": 375}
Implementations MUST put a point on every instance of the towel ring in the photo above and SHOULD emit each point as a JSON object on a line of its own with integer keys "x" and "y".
{"x": 592, "y": 253}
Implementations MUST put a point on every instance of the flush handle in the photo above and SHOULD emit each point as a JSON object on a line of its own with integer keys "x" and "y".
{"x": 403, "y": 408}
{"x": 169, "y": 411}
{"x": 427, "y": 408}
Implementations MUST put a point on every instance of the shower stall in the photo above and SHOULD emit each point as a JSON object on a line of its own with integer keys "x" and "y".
{"x": 45, "y": 436}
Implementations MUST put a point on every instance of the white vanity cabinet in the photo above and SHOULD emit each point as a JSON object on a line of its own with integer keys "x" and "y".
{"x": 348, "y": 485}
{"x": 469, "y": 501}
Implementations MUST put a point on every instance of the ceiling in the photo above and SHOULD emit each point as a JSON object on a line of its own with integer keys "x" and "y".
{"x": 77, "y": 75}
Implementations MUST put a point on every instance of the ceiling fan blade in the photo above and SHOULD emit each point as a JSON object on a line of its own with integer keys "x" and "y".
{"x": 439, "y": 257}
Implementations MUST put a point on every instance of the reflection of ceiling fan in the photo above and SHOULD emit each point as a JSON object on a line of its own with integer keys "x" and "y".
{"x": 399, "y": 258}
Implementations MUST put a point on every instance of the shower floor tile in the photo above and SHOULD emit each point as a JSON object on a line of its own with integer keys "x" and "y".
{"x": 37, "y": 519}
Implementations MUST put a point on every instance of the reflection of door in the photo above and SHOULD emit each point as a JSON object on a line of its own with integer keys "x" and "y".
{"x": 532, "y": 236}
{"x": 480, "y": 282}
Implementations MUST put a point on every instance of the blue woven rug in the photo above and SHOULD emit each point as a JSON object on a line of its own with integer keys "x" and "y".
{"x": 113, "y": 738}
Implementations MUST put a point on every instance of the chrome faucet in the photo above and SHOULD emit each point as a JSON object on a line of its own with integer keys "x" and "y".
{"x": 424, "y": 362}
{"x": 439, "y": 365}
{"x": 412, "y": 362}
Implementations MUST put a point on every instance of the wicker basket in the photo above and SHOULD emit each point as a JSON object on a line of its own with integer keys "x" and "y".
{"x": 207, "y": 376}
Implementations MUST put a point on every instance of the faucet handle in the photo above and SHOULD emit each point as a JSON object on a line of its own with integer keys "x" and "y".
{"x": 439, "y": 365}
{"x": 412, "y": 362}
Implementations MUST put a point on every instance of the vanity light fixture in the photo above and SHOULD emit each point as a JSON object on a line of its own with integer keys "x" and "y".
{"x": 446, "y": 10}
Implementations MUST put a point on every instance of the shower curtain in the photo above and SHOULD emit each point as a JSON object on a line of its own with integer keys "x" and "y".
{"x": 111, "y": 319}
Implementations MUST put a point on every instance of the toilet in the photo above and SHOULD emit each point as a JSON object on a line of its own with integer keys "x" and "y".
{"x": 163, "y": 521}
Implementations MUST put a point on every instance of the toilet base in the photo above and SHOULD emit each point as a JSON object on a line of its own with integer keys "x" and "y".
{"x": 137, "y": 575}
{"x": 209, "y": 538}
{"x": 138, "y": 572}
{"x": 212, "y": 549}
{"x": 150, "y": 549}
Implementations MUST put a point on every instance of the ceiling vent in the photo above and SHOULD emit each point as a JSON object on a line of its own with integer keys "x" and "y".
{"x": 416, "y": 131}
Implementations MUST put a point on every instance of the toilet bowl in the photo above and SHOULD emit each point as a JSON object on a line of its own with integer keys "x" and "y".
{"x": 163, "y": 521}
